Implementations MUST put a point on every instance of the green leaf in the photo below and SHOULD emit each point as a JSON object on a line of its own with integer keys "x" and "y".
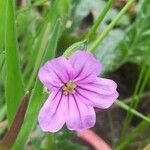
{"x": 136, "y": 42}
{"x": 120, "y": 47}
{"x": 2, "y": 82}
{"x": 2, "y": 112}
{"x": 59, "y": 8}
{"x": 39, "y": 56}
{"x": 37, "y": 93}
{"x": 14, "y": 85}
{"x": 102, "y": 36}
{"x": 2, "y": 24}
{"x": 2, "y": 58}
{"x": 67, "y": 142}
{"x": 2, "y": 79}
{"x": 96, "y": 7}
{"x": 136, "y": 39}
{"x": 99, "y": 19}
{"x": 145, "y": 8}
{"x": 27, "y": 25}
{"x": 10, "y": 136}
{"x": 106, "y": 52}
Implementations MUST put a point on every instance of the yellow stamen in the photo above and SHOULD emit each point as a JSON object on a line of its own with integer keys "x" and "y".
{"x": 69, "y": 87}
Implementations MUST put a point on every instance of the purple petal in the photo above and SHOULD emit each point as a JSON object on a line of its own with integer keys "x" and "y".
{"x": 78, "y": 115}
{"x": 51, "y": 117}
{"x": 101, "y": 93}
{"x": 55, "y": 72}
{"x": 85, "y": 65}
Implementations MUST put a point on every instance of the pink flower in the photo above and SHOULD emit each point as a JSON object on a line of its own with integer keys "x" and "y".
{"x": 76, "y": 90}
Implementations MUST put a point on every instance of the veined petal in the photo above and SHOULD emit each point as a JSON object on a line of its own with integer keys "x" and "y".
{"x": 100, "y": 85}
{"x": 51, "y": 117}
{"x": 101, "y": 93}
{"x": 85, "y": 65}
{"x": 78, "y": 115}
{"x": 55, "y": 72}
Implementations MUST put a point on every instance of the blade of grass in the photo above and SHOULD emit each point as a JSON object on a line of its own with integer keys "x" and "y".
{"x": 109, "y": 114}
{"x": 10, "y": 137}
{"x": 2, "y": 59}
{"x": 37, "y": 47}
{"x": 109, "y": 27}
{"x": 14, "y": 85}
{"x": 3, "y": 126}
{"x": 37, "y": 93}
{"x": 2, "y": 112}
{"x": 100, "y": 18}
{"x": 2, "y": 24}
{"x": 51, "y": 17}
{"x": 39, "y": 56}
{"x": 137, "y": 92}
{"x": 136, "y": 132}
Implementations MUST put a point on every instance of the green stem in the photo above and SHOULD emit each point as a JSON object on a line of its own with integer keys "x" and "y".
{"x": 99, "y": 19}
{"x": 137, "y": 93}
{"x": 110, "y": 26}
{"x": 133, "y": 135}
{"x": 146, "y": 77}
{"x": 129, "y": 99}
{"x": 109, "y": 114}
{"x": 50, "y": 141}
{"x": 133, "y": 111}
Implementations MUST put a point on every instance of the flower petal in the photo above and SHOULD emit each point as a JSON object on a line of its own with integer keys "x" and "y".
{"x": 78, "y": 115}
{"x": 101, "y": 93}
{"x": 85, "y": 65}
{"x": 55, "y": 72}
{"x": 101, "y": 85}
{"x": 51, "y": 117}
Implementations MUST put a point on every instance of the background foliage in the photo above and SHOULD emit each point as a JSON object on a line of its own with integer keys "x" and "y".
{"x": 34, "y": 31}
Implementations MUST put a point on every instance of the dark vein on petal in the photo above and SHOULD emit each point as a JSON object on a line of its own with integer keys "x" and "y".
{"x": 83, "y": 66}
{"x": 104, "y": 85}
{"x": 81, "y": 70}
{"x": 54, "y": 72}
{"x": 88, "y": 107}
{"x": 83, "y": 95}
{"x": 59, "y": 103}
{"x": 68, "y": 102}
{"x": 55, "y": 95}
{"x": 68, "y": 74}
{"x": 77, "y": 107}
{"x": 52, "y": 85}
{"x": 59, "y": 77}
{"x": 102, "y": 94}
{"x": 88, "y": 90}
{"x": 85, "y": 77}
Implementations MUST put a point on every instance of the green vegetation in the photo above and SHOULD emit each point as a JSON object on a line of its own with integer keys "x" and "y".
{"x": 35, "y": 31}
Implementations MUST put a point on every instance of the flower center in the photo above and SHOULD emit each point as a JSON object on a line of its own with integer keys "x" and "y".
{"x": 69, "y": 87}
